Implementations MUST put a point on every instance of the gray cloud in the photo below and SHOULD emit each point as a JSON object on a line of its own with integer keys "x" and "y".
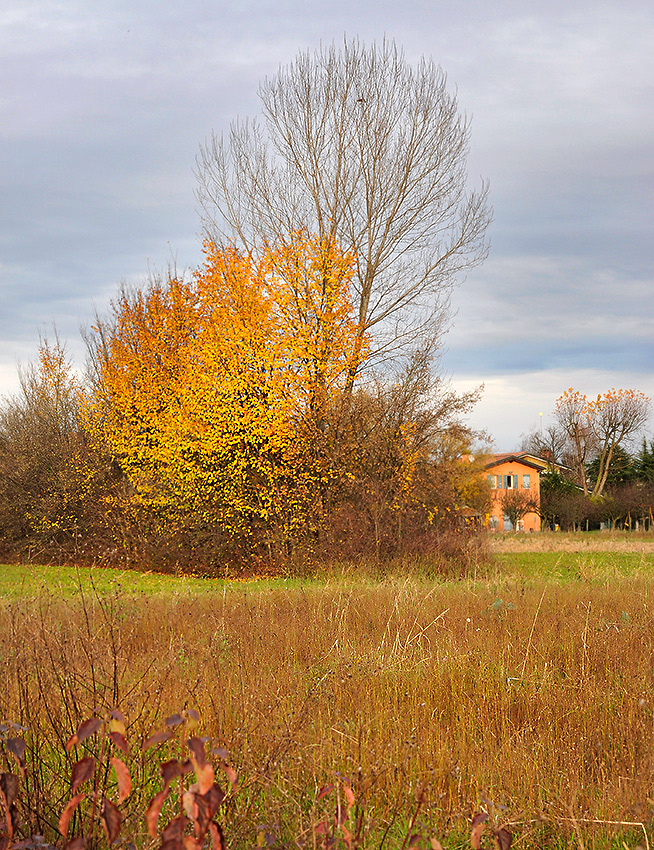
{"x": 103, "y": 107}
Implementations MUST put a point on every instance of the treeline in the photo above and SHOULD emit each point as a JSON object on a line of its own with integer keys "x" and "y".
{"x": 594, "y": 481}
{"x": 226, "y": 419}
{"x": 627, "y": 500}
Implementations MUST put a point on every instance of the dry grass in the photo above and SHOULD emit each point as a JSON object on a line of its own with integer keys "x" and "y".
{"x": 538, "y": 705}
{"x": 594, "y": 541}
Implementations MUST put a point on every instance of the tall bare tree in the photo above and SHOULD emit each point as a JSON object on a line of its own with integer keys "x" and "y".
{"x": 358, "y": 145}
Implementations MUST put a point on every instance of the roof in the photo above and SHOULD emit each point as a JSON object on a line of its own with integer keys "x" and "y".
{"x": 524, "y": 458}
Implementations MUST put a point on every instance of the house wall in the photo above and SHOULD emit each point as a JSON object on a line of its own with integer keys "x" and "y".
{"x": 516, "y": 471}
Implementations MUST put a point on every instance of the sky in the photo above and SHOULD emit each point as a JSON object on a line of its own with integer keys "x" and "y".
{"x": 104, "y": 106}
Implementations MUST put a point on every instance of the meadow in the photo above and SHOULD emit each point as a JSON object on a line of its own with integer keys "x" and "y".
{"x": 525, "y": 691}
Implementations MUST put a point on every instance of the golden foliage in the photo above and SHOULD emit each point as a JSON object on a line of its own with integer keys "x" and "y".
{"x": 207, "y": 388}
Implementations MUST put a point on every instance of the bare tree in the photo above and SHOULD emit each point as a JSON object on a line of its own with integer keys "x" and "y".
{"x": 572, "y": 417}
{"x": 516, "y": 504}
{"x": 550, "y": 444}
{"x": 358, "y": 145}
{"x": 616, "y": 416}
{"x": 595, "y": 427}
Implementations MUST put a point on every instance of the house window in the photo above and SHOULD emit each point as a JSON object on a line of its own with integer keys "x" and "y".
{"x": 526, "y": 482}
{"x": 511, "y": 481}
{"x": 492, "y": 480}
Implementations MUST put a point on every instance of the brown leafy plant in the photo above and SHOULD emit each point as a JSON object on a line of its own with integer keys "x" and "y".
{"x": 9, "y": 785}
{"x": 198, "y": 803}
{"x": 502, "y": 838}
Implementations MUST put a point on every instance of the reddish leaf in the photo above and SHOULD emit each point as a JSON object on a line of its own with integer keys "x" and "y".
{"x": 205, "y": 777}
{"x": 117, "y": 714}
{"x": 84, "y": 730}
{"x": 9, "y": 787}
{"x": 214, "y": 797}
{"x": 415, "y": 838}
{"x": 157, "y": 738}
{"x": 196, "y": 746}
{"x": 478, "y": 823}
{"x": 203, "y": 815}
{"x": 16, "y": 747}
{"x": 349, "y": 795}
{"x": 111, "y": 819}
{"x": 217, "y": 837}
{"x": 82, "y": 771}
{"x": 9, "y": 829}
{"x": 175, "y": 829}
{"x": 87, "y": 728}
{"x": 230, "y": 773}
{"x": 78, "y": 843}
{"x": 123, "y": 777}
{"x": 321, "y": 828}
{"x": 169, "y": 770}
{"x": 503, "y": 838}
{"x": 152, "y": 813}
{"x": 435, "y": 844}
{"x": 221, "y": 752}
{"x": 326, "y": 789}
{"x": 190, "y": 843}
{"x": 174, "y": 720}
{"x": 120, "y": 741}
{"x": 67, "y": 813}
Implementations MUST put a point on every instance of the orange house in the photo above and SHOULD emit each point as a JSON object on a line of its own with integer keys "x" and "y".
{"x": 514, "y": 472}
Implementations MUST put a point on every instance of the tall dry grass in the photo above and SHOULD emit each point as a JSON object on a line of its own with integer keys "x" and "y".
{"x": 538, "y": 705}
{"x": 576, "y": 541}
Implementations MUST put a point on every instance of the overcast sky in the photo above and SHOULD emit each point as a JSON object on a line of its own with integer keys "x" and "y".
{"x": 103, "y": 107}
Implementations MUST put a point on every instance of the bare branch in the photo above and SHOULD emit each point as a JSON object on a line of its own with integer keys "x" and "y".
{"x": 358, "y": 145}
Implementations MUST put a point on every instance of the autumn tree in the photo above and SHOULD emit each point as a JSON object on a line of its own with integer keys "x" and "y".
{"x": 401, "y": 448}
{"x": 50, "y": 476}
{"x": 362, "y": 148}
{"x": 208, "y": 390}
{"x": 571, "y": 413}
{"x": 595, "y": 427}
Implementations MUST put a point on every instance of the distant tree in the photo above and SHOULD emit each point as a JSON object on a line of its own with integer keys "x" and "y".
{"x": 644, "y": 462}
{"x": 622, "y": 469}
{"x": 362, "y": 148}
{"x": 52, "y": 479}
{"x": 400, "y": 454}
{"x": 516, "y": 504}
{"x": 560, "y": 498}
{"x": 572, "y": 418}
{"x": 550, "y": 444}
{"x": 594, "y": 427}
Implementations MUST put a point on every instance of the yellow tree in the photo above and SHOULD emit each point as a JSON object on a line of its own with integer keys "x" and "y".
{"x": 206, "y": 389}
{"x": 594, "y": 427}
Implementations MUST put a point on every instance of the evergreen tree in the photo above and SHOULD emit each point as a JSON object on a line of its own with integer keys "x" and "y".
{"x": 621, "y": 471}
{"x": 644, "y": 462}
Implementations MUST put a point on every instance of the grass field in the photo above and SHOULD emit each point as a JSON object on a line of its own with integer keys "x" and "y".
{"x": 527, "y": 691}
